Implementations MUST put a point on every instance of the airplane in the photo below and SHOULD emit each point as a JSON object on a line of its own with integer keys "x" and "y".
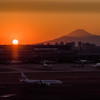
{"x": 83, "y": 61}
{"x": 7, "y": 96}
{"x": 97, "y": 65}
{"x": 47, "y": 64}
{"x": 40, "y": 82}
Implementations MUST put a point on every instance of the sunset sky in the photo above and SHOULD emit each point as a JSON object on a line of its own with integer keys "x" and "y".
{"x": 35, "y": 21}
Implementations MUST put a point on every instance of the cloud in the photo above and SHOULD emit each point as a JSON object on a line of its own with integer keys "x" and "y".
{"x": 50, "y": 6}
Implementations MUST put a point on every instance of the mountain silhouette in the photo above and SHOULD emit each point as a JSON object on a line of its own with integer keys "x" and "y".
{"x": 76, "y": 36}
{"x": 79, "y": 33}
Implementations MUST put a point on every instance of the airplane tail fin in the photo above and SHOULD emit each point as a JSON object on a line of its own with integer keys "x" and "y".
{"x": 24, "y": 76}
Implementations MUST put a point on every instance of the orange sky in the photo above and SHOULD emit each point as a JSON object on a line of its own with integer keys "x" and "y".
{"x": 47, "y": 21}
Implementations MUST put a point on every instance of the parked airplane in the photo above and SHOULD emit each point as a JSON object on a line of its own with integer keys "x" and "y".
{"x": 40, "y": 82}
{"x": 47, "y": 64}
{"x": 97, "y": 65}
{"x": 83, "y": 61}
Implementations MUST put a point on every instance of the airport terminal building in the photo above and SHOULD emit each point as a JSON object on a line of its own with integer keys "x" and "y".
{"x": 58, "y": 53}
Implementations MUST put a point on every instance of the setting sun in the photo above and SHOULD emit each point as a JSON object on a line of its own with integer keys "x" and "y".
{"x": 15, "y": 42}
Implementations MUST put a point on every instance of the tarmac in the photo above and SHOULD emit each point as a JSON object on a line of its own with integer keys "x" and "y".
{"x": 79, "y": 82}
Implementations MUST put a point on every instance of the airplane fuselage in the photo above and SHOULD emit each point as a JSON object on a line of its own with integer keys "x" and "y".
{"x": 40, "y": 82}
{"x": 46, "y": 82}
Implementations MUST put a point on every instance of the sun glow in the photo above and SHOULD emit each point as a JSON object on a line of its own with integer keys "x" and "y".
{"x": 15, "y": 42}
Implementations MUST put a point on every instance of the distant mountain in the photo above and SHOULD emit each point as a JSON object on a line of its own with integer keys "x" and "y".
{"x": 76, "y": 36}
{"x": 79, "y": 33}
